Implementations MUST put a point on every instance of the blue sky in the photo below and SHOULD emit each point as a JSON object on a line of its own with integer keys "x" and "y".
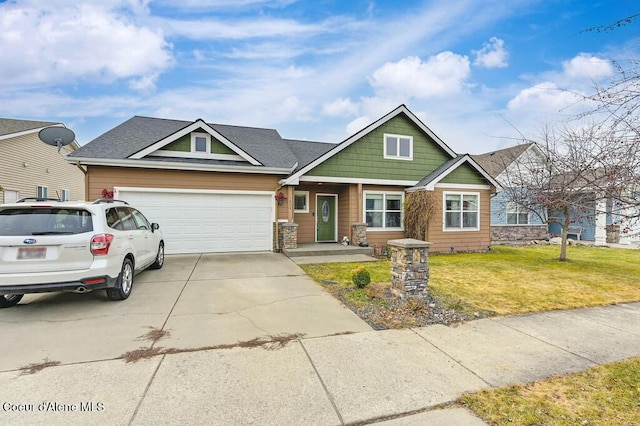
{"x": 477, "y": 72}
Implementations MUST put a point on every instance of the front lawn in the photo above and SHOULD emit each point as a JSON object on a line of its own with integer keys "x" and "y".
{"x": 510, "y": 280}
{"x": 604, "y": 395}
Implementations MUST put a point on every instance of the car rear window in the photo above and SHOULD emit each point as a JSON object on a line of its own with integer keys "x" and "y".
{"x": 44, "y": 221}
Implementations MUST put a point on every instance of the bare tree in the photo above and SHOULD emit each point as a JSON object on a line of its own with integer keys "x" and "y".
{"x": 575, "y": 174}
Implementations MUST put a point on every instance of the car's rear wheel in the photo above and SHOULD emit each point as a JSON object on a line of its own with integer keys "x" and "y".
{"x": 159, "y": 258}
{"x": 9, "y": 300}
{"x": 124, "y": 284}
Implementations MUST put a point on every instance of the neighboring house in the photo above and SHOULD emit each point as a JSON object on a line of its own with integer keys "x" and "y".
{"x": 217, "y": 188}
{"x": 599, "y": 220}
{"x": 30, "y": 168}
{"x": 510, "y": 223}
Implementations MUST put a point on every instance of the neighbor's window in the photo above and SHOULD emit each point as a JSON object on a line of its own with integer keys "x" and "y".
{"x": 383, "y": 210}
{"x": 461, "y": 211}
{"x": 65, "y": 195}
{"x": 301, "y": 201}
{"x": 398, "y": 147}
{"x": 200, "y": 142}
{"x": 517, "y": 215}
{"x": 42, "y": 191}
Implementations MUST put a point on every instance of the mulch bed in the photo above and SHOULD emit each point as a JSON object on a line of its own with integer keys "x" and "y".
{"x": 388, "y": 311}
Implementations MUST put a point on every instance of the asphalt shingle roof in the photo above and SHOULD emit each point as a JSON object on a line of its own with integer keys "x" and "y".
{"x": 307, "y": 151}
{"x": 496, "y": 162}
{"x": 138, "y": 133}
{"x": 437, "y": 172}
{"x": 10, "y": 125}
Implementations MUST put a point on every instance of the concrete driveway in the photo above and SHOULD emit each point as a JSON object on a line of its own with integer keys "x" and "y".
{"x": 195, "y": 301}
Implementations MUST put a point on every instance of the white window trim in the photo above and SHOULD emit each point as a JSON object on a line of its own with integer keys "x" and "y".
{"x": 62, "y": 195}
{"x": 518, "y": 211}
{"x": 444, "y": 212}
{"x": 384, "y": 209}
{"x": 207, "y": 136}
{"x": 42, "y": 188}
{"x": 306, "y": 202}
{"x": 397, "y": 157}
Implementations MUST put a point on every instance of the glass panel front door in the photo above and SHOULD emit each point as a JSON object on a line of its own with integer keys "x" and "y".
{"x": 326, "y": 218}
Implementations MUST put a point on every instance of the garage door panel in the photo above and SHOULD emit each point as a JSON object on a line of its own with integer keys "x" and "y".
{"x": 208, "y": 222}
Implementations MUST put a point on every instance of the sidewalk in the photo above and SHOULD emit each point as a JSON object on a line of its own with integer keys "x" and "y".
{"x": 396, "y": 376}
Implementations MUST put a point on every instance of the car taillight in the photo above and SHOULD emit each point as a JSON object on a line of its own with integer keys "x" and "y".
{"x": 100, "y": 244}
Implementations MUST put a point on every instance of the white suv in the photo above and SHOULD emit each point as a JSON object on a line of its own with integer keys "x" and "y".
{"x": 47, "y": 245}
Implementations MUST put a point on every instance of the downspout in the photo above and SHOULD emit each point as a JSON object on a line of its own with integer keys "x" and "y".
{"x": 277, "y": 227}
{"x": 86, "y": 181}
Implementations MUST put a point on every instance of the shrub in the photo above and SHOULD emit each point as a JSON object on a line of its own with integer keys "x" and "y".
{"x": 361, "y": 278}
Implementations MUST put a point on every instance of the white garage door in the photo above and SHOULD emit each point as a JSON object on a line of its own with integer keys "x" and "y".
{"x": 207, "y": 222}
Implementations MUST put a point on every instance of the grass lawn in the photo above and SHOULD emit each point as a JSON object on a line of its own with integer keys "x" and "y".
{"x": 511, "y": 280}
{"x": 604, "y": 395}
{"x": 517, "y": 280}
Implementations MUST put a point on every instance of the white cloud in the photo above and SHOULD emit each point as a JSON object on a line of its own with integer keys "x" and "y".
{"x": 340, "y": 107}
{"x": 78, "y": 41}
{"x": 543, "y": 97}
{"x": 492, "y": 55}
{"x": 585, "y": 66}
{"x": 441, "y": 75}
{"x": 358, "y": 124}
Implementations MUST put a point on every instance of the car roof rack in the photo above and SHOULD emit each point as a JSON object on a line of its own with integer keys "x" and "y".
{"x": 109, "y": 200}
{"x": 27, "y": 199}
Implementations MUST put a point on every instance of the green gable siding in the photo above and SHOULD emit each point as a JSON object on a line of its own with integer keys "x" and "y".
{"x": 465, "y": 174}
{"x": 220, "y": 148}
{"x": 184, "y": 145}
{"x": 365, "y": 157}
{"x": 181, "y": 145}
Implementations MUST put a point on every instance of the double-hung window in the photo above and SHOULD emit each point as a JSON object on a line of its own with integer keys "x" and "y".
{"x": 398, "y": 147}
{"x": 383, "y": 210}
{"x": 517, "y": 215}
{"x": 42, "y": 191}
{"x": 65, "y": 195}
{"x": 461, "y": 211}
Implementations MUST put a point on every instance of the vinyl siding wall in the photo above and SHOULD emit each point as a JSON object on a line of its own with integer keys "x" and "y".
{"x": 44, "y": 166}
{"x": 365, "y": 157}
{"x": 348, "y": 213}
{"x": 442, "y": 240}
{"x": 101, "y": 177}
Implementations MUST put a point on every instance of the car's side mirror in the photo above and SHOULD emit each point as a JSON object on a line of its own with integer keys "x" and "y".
{"x": 154, "y": 226}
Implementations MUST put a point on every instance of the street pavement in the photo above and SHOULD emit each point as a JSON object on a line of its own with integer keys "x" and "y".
{"x": 249, "y": 339}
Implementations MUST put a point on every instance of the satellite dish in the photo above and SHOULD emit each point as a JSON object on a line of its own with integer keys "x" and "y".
{"x": 56, "y": 136}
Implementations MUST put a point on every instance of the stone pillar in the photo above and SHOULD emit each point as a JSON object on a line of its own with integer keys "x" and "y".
{"x": 409, "y": 266}
{"x": 287, "y": 235}
{"x": 613, "y": 233}
{"x": 358, "y": 233}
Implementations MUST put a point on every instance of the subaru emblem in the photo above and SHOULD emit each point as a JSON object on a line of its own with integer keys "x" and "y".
{"x": 30, "y": 241}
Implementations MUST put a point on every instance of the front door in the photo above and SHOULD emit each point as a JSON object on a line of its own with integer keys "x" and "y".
{"x": 326, "y": 220}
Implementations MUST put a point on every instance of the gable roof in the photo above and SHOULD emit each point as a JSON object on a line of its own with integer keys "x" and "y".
{"x": 10, "y": 127}
{"x": 139, "y": 136}
{"x": 402, "y": 109}
{"x": 429, "y": 182}
{"x": 307, "y": 151}
{"x": 497, "y": 162}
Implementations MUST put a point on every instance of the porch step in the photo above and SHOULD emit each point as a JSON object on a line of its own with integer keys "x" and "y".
{"x": 327, "y": 249}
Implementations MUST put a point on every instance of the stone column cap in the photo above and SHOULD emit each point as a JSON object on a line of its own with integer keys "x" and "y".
{"x": 289, "y": 224}
{"x": 408, "y": 243}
